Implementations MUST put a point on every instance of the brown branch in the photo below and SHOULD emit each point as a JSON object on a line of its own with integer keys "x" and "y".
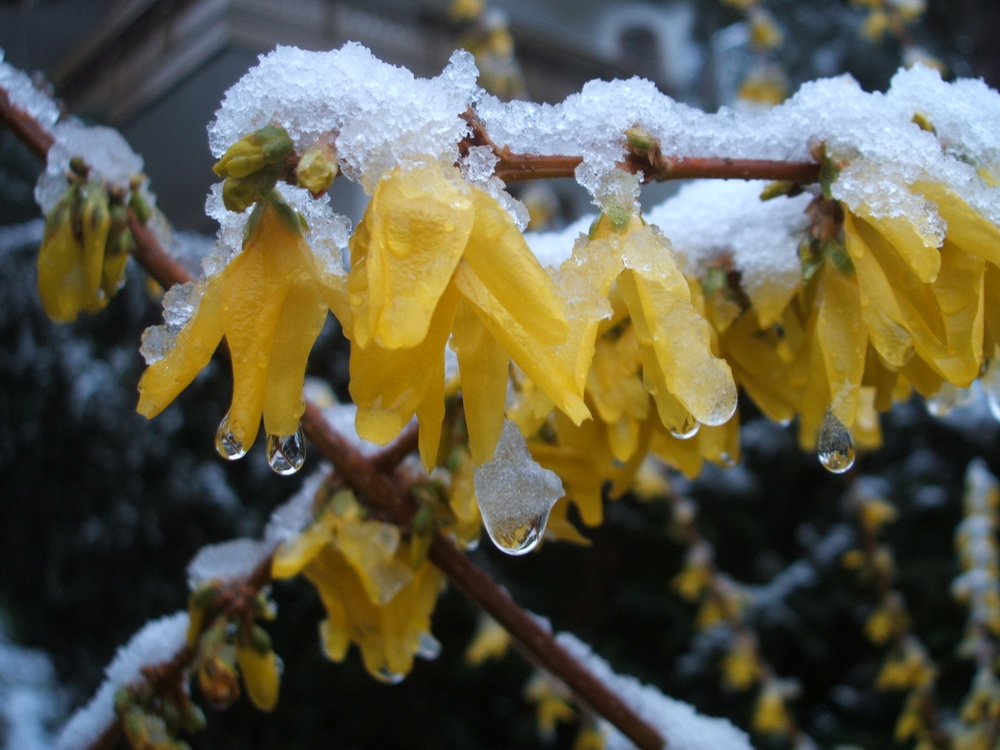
{"x": 724, "y": 168}
{"x": 655, "y": 167}
{"x": 25, "y": 128}
{"x": 373, "y": 485}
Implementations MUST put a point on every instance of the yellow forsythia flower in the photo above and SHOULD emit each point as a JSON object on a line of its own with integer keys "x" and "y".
{"x": 491, "y": 641}
{"x": 86, "y": 247}
{"x": 770, "y": 715}
{"x": 261, "y": 675}
{"x": 434, "y": 259}
{"x": 371, "y": 594}
{"x": 270, "y": 302}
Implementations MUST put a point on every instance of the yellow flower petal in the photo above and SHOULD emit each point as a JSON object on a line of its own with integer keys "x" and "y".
{"x": 417, "y": 226}
{"x": 260, "y": 676}
{"x": 389, "y": 385}
{"x": 484, "y": 366}
{"x": 196, "y": 343}
{"x": 301, "y": 319}
{"x": 501, "y": 259}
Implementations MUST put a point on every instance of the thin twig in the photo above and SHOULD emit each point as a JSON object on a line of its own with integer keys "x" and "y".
{"x": 369, "y": 482}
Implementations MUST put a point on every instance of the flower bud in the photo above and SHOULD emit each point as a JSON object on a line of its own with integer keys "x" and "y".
{"x": 317, "y": 170}
{"x": 267, "y": 147}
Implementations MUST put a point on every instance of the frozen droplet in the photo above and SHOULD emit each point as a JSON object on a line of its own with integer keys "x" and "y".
{"x": 383, "y": 674}
{"x": 835, "y": 445}
{"x": 515, "y": 494}
{"x": 687, "y": 430}
{"x": 286, "y": 453}
{"x": 991, "y": 385}
{"x": 516, "y": 536}
{"x": 947, "y": 398}
{"x": 226, "y": 443}
{"x": 429, "y": 647}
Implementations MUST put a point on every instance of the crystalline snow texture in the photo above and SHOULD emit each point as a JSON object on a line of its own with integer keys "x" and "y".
{"x": 677, "y": 722}
{"x": 227, "y": 561}
{"x": 381, "y": 115}
{"x": 105, "y": 150}
{"x": 157, "y": 642}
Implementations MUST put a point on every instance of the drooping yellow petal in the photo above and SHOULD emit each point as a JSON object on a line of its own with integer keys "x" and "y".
{"x": 195, "y": 344}
{"x": 916, "y": 249}
{"x": 675, "y": 338}
{"x": 484, "y": 366}
{"x": 967, "y": 228}
{"x": 417, "y": 226}
{"x": 260, "y": 676}
{"x": 499, "y": 256}
{"x": 538, "y": 361}
{"x": 253, "y": 292}
{"x": 886, "y": 322}
{"x": 389, "y": 385}
{"x": 758, "y": 367}
{"x": 293, "y": 556}
{"x": 301, "y": 319}
{"x": 844, "y": 341}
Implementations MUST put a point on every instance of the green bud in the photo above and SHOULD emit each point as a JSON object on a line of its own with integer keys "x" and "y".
{"x": 138, "y": 203}
{"x": 193, "y": 718}
{"x": 637, "y": 138}
{"x": 923, "y": 123}
{"x": 780, "y": 188}
{"x": 422, "y": 534}
{"x": 837, "y": 254}
{"x": 239, "y": 193}
{"x": 269, "y": 146}
{"x": 317, "y": 170}
{"x": 79, "y": 166}
{"x": 260, "y": 640}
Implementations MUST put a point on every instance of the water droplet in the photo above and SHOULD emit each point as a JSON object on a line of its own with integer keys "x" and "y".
{"x": 726, "y": 460}
{"x": 835, "y": 445}
{"x": 687, "y": 430}
{"x": 429, "y": 647}
{"x": 946, "y": 399}
{"x": 389, "y": 678}
{"x": 286, "y": 453}
{"x": 226, "y": 443}
{"x": 516, "y": 536}
{"x": 991, "y": 384}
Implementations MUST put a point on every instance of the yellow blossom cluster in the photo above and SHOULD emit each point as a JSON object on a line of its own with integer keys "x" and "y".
{"x": 374, "y": 594}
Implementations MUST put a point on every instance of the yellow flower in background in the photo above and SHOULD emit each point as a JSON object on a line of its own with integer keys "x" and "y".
{"x": 434, "y": 259}
{"x": 270, "y": 302}
{"x": 371, "y": 594}
{"x": 86, "y": 246}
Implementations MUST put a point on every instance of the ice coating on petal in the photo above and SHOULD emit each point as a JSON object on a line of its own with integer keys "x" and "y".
{"x": 515, "y": 494}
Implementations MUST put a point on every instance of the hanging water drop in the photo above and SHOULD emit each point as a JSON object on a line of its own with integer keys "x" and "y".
{"x": 991, "y": 384}
{"x": 226, "y": 443}
{"x": 946, "y": 399}
{"x": 687, "y": 430}
{"x": 383, "y": 674}
{"x": 286, "y": 453}
{"x": 429, "y": 647}
{"x": 515, "y": 494}
{"x": 516, "y": 536}
{"x": 835, "y": 445}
